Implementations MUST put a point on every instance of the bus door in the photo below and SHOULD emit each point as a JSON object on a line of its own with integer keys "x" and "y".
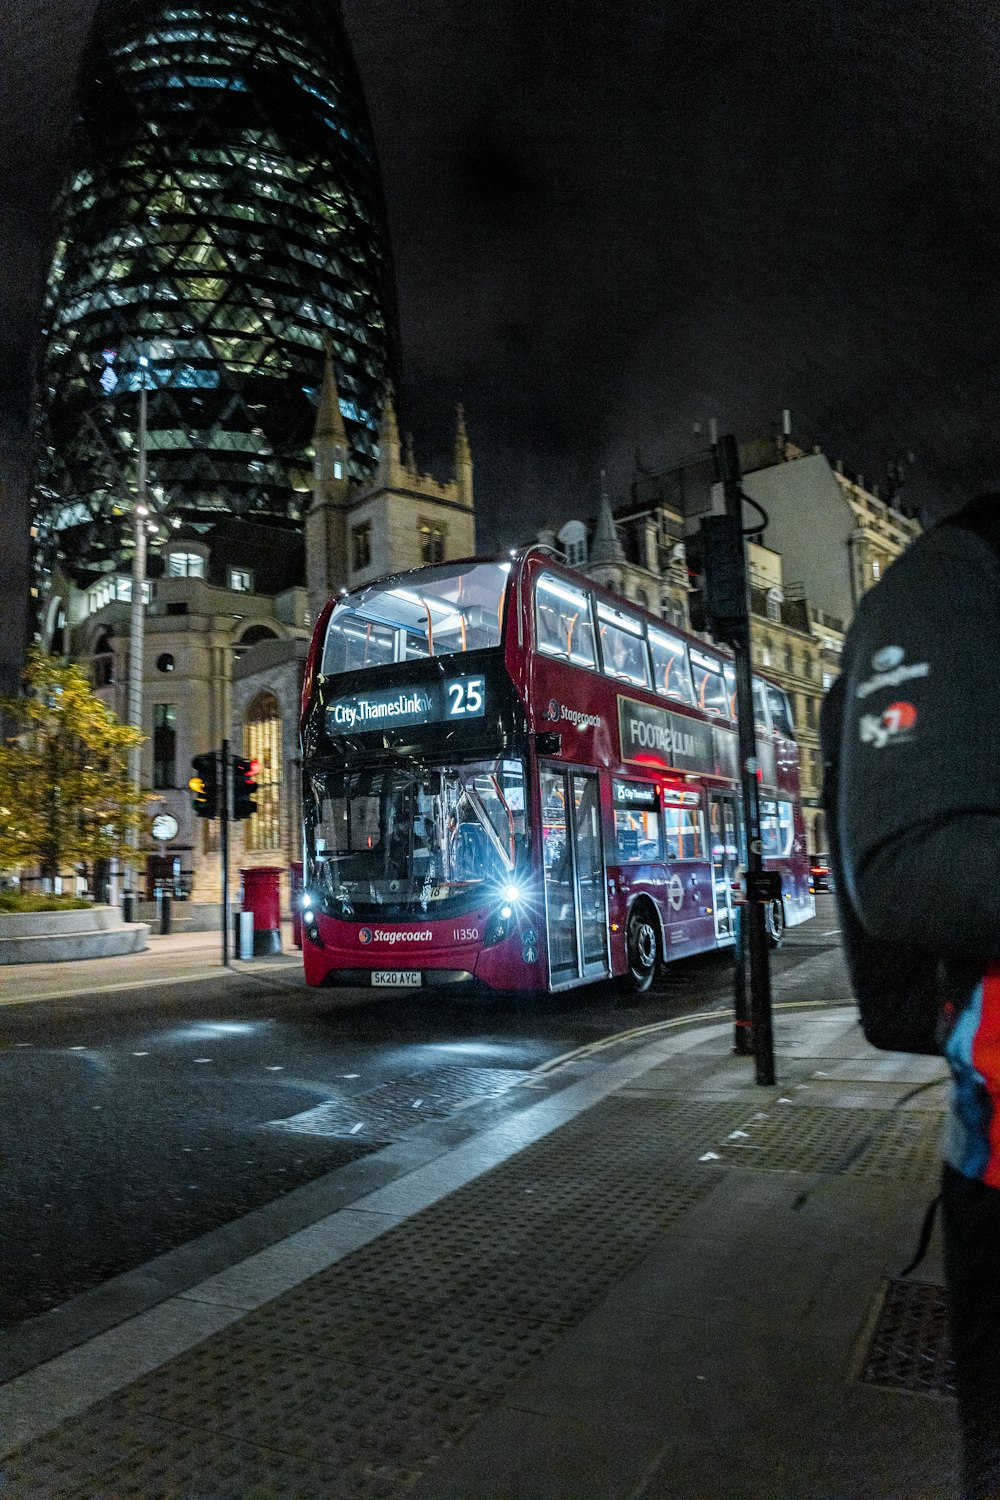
{"x": 724, "y": 847}
{"x": 576, "y": 916}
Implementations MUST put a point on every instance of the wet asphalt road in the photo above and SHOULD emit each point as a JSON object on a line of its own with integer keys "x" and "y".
{"x": 131, "y": 1123}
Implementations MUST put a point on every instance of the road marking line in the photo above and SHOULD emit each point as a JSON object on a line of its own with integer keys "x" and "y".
{"x": 107, "y": 989}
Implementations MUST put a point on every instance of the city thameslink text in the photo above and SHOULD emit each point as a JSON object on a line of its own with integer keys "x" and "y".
{"x": 370, "y": 710}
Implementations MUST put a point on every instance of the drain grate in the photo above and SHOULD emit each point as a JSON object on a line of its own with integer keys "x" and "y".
{"x": 384, "y": 1114}
{"x": 910, "y": 1348}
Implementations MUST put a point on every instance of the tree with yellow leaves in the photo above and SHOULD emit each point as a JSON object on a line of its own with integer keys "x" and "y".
{"x": 66, "y": 798}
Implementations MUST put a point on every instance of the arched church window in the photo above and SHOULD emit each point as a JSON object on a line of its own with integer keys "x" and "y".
{"x": 262, "y": 743}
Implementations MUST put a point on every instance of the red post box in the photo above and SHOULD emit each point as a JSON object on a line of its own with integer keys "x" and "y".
{"x": 295, "y": 883}
{"x": 262, "y": 896}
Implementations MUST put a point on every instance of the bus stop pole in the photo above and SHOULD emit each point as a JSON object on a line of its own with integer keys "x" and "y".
{"x": 753, "y": 912}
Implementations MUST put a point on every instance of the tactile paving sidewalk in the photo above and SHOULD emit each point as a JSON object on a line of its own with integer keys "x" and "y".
{"x": 351, "y": 1386}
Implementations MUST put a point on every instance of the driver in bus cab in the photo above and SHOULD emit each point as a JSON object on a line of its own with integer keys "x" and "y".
{"x": 469, "y": 845}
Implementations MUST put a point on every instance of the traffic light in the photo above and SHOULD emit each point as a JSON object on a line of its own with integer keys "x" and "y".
{"x": 244, "y": 786}
{"x": 697, "y": 599}
{"x": 205, "y": 785}
{"x": 717, "y": 598}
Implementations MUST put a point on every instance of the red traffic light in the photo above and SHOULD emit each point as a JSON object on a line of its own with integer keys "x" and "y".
{"x": 244, "y": 786}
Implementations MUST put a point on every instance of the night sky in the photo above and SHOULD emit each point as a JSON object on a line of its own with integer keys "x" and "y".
{"x": 614, "y": 221}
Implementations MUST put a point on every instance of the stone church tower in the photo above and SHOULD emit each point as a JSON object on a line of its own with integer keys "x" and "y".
{"x": 326, "y": 521}
{"x": 398, "y": 519}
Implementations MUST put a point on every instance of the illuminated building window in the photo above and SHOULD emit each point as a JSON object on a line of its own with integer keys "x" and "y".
{"x": 185, "y": 565}
{"x": 164, "y": 745}
{"x": 432, "y": 539}
{"x": 241, "y": 579}
{"x": 361, "y": 546}
{"x": 262, "y": 743}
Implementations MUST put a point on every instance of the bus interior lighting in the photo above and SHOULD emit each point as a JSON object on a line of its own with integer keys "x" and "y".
{"x": 622, "y": 622}
{"x": 564, "y": 592}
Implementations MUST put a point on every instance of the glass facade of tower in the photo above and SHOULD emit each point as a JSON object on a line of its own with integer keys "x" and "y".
{"x": 223, "y": 220}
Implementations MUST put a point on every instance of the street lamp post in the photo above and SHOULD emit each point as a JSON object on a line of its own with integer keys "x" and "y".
{"x": 136, "y": 641}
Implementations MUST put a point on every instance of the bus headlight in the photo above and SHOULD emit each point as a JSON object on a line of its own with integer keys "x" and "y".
{"x": 498, "y": 926}
{"x": 512, "y": 893}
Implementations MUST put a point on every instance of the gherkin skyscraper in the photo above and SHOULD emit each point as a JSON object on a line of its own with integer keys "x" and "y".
{"x": 221, "y": 223}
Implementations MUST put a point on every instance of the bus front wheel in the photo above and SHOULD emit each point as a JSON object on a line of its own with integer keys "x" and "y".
{"x": 775, "y": 921}
{"x": 642, "y": 949}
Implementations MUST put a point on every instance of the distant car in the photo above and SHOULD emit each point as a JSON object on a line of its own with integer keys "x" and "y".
{"x": 820, "y": 874}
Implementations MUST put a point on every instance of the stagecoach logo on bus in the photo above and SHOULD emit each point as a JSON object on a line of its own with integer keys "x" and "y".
{"x": 367, "y": 935}
{"x": 557, "y": 712}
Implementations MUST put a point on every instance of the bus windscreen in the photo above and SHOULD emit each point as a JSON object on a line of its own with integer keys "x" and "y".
{"x": 415, "y": 841}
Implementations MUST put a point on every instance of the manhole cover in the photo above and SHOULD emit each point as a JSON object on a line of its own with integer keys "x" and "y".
{"x": 386, "y": 1113}
{"x": 910, "y": 1348}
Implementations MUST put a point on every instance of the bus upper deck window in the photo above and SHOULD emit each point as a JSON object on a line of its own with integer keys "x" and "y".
{"x": 781, "y": 717}
{"x": 671, "y": 670}
{"x": 623, "y": 646}
{"x": 760, "y": 706}
{"x": 729, "y": 677}
{"x": 445, "y": 611}
{"x": 354, "y": 643}
{"x": 563, "y": 625}
{"x": 709, "y": 685}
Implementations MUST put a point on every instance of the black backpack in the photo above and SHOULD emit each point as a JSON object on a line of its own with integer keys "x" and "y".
{"x": 896, "y": 986}
{"x": 899, "y": 989}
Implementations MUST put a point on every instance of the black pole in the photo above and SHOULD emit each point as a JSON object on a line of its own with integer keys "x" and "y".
{"x": 753, "y": 912}
{"x": 224, "y": 839}
{"x": 742, "y": 1038}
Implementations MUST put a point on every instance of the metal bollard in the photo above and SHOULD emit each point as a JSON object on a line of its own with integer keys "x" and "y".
{"x": 164, "y": 912}
{"x": 128, "y": 906}
{"x": 243, "y": 934}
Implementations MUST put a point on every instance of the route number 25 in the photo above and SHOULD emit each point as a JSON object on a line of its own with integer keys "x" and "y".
{"x": 465, "y": 698}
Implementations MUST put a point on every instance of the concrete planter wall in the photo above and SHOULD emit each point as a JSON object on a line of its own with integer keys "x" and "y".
{"x": 43, "y": 937}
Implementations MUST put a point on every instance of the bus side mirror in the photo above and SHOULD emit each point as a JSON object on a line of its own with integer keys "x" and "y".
{"x": 548, "y": 743}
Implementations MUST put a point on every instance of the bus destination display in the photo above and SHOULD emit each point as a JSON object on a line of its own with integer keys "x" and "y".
{"x": 454, "y": 699}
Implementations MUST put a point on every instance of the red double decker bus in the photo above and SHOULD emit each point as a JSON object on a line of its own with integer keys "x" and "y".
{"x": 516, "y": 779}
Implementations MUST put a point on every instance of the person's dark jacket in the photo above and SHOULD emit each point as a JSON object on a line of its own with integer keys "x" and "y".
{"x": 919, "y": 795}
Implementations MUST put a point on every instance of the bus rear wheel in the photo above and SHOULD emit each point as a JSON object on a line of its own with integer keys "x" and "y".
{"x": 642, "y": 948}
{"x": 774, "y": 919}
